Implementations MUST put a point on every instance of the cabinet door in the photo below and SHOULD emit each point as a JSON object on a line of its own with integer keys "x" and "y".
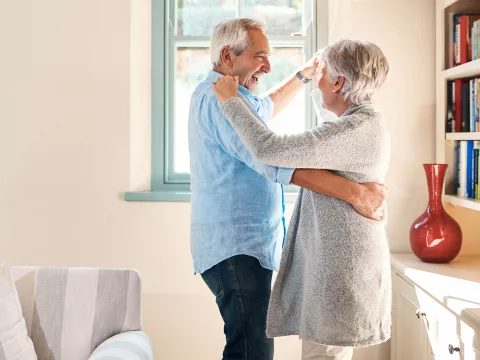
{"x": 470, "y": 343}
{"x": 409, "y": 337}
{"x": 470, "y": 353}
{"x": 442, "y": 327}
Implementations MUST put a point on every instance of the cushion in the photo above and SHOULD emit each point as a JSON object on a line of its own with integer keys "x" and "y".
{"x": 14, "y": 341}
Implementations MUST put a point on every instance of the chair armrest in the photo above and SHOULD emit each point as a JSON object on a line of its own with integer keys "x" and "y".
{"x": 130, "y": 345}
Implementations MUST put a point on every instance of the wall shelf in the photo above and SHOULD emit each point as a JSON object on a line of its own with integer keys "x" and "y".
{"x": 470, "y": 69}
{"x": 463, "y": 202}
{"x": 463, "y": 136}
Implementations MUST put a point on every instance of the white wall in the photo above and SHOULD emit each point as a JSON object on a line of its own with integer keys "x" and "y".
{"x": 75, "y": 112}
{"x": 405, "y": 32}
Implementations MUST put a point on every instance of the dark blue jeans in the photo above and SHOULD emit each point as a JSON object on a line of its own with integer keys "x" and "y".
{"x": 242, "y": 289}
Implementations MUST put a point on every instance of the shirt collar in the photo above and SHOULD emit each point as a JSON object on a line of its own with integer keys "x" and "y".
{"x": 213, "y": 75}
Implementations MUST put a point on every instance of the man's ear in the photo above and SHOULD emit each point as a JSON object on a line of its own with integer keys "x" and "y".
{"x": 339, "y": 84}
{"x": 226, "y": 56}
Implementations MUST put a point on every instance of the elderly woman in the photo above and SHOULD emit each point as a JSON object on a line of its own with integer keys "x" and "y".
{"x": 333, "y": 288}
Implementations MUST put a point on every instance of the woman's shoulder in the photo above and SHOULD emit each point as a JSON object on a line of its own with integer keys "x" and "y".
{"x": 363, "y": 116}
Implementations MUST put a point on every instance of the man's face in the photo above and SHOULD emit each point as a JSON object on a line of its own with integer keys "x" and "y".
{"x": 253, "y": 63}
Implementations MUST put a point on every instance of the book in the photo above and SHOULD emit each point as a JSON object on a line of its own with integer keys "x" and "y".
{"x": 450, "y": 124}
{"x": 475, "y": 40}
{"x": 477, "y": 103}
{"x": 466, "y": 26}
{"x": 456, "y": 39}
{"x": 469, "y": 179}
{"x": 476, "y": 147}
{"x": 462, "y": 169}
{"x": 471, "y": 98}
{"x": 465, "y": 106}
{"x": 458, "y": 105}
{"x": 456, "y": 169}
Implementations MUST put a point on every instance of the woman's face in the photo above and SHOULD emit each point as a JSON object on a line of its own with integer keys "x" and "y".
{"x": 326, "y": 86}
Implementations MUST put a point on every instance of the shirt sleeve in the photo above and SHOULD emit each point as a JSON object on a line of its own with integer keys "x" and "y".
{"x": 264, "y": 106}
{"x": 230, "y": 142}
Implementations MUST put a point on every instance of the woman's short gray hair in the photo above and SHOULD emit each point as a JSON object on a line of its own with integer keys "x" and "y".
{"x": 232, "y": 33}
{"x": 362, "y": 64}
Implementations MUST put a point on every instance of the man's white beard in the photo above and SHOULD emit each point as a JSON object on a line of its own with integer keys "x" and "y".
{"x": 323, "y": 114}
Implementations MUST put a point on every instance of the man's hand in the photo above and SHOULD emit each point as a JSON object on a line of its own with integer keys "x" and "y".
{"x": 367, "y": 199}
{"x": 370, "y": 200}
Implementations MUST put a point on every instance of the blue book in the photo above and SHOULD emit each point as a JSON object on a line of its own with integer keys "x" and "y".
{"x": 469, "y": 183}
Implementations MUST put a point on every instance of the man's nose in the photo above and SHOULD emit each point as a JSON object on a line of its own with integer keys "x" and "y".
{"x": 266, "y": 66}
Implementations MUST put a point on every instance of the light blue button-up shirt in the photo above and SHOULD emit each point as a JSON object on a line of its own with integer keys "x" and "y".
{"x": 237, "y": 202}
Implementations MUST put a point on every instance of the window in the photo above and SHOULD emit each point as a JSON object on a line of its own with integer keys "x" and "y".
{"x": 181, "y": 59}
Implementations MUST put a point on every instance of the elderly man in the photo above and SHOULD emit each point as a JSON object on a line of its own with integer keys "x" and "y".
{"x": 237, "y": 221}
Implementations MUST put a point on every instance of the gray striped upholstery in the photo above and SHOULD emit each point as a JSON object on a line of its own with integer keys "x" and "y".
{"x": 131, "y": 345}
{"x": 69, "y": 312}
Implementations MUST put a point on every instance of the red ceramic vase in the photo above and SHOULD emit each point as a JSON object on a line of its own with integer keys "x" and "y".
{"x": 435, "y": 237}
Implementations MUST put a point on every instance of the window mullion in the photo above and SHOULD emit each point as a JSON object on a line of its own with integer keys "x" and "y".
{"x": 239, "y": 8}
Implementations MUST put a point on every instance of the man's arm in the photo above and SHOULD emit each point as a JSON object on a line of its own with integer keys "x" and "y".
{"x": 368, "y": 199}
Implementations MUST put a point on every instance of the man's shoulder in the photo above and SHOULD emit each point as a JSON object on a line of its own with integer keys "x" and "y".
{"x": 204, "y": 92}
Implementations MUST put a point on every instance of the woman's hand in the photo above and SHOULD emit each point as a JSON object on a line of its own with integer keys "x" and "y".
{"x": 225, "y": 88}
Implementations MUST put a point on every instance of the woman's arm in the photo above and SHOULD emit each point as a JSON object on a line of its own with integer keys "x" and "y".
{"x": 333, "y": 146}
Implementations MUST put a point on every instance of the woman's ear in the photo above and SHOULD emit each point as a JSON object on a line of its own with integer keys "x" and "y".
{"x": 226, "y": 56}
{"x": 338, "y": 84}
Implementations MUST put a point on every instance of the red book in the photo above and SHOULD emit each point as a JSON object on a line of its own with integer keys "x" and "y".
{"x": 466, "y": 25}
{"x": 463, "y": 39}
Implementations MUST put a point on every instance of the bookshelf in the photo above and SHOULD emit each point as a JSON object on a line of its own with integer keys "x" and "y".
{"x": 462, "y": 71}
{"x": 445, "y": 142}
{"x": 462, "y": 136}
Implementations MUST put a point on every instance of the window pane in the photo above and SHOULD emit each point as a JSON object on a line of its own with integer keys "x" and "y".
{"x": 199, "y": 17}
{"x": 191, "y": 67}
{"x": 284, "y": 61}
{"x": 282, "y": 17}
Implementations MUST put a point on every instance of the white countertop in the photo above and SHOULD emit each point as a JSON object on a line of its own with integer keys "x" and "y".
{"x": 456, "y": 285}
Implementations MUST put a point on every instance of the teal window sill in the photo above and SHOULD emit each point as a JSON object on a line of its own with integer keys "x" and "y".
{"x": 166, "y": 196}
{"x": 179, "y": 196}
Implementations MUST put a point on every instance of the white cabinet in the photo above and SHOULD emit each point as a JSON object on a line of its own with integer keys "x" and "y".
{"x": 409, "y": 334}
{"x": 425, "y": 329}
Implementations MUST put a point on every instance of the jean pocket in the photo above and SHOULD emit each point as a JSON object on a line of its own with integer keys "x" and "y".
{"x": 213, "y": 279}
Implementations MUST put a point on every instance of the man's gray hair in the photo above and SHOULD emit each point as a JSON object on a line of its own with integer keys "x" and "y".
{"x": 232, "y": 33}
{"x": 362, "y": 64}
